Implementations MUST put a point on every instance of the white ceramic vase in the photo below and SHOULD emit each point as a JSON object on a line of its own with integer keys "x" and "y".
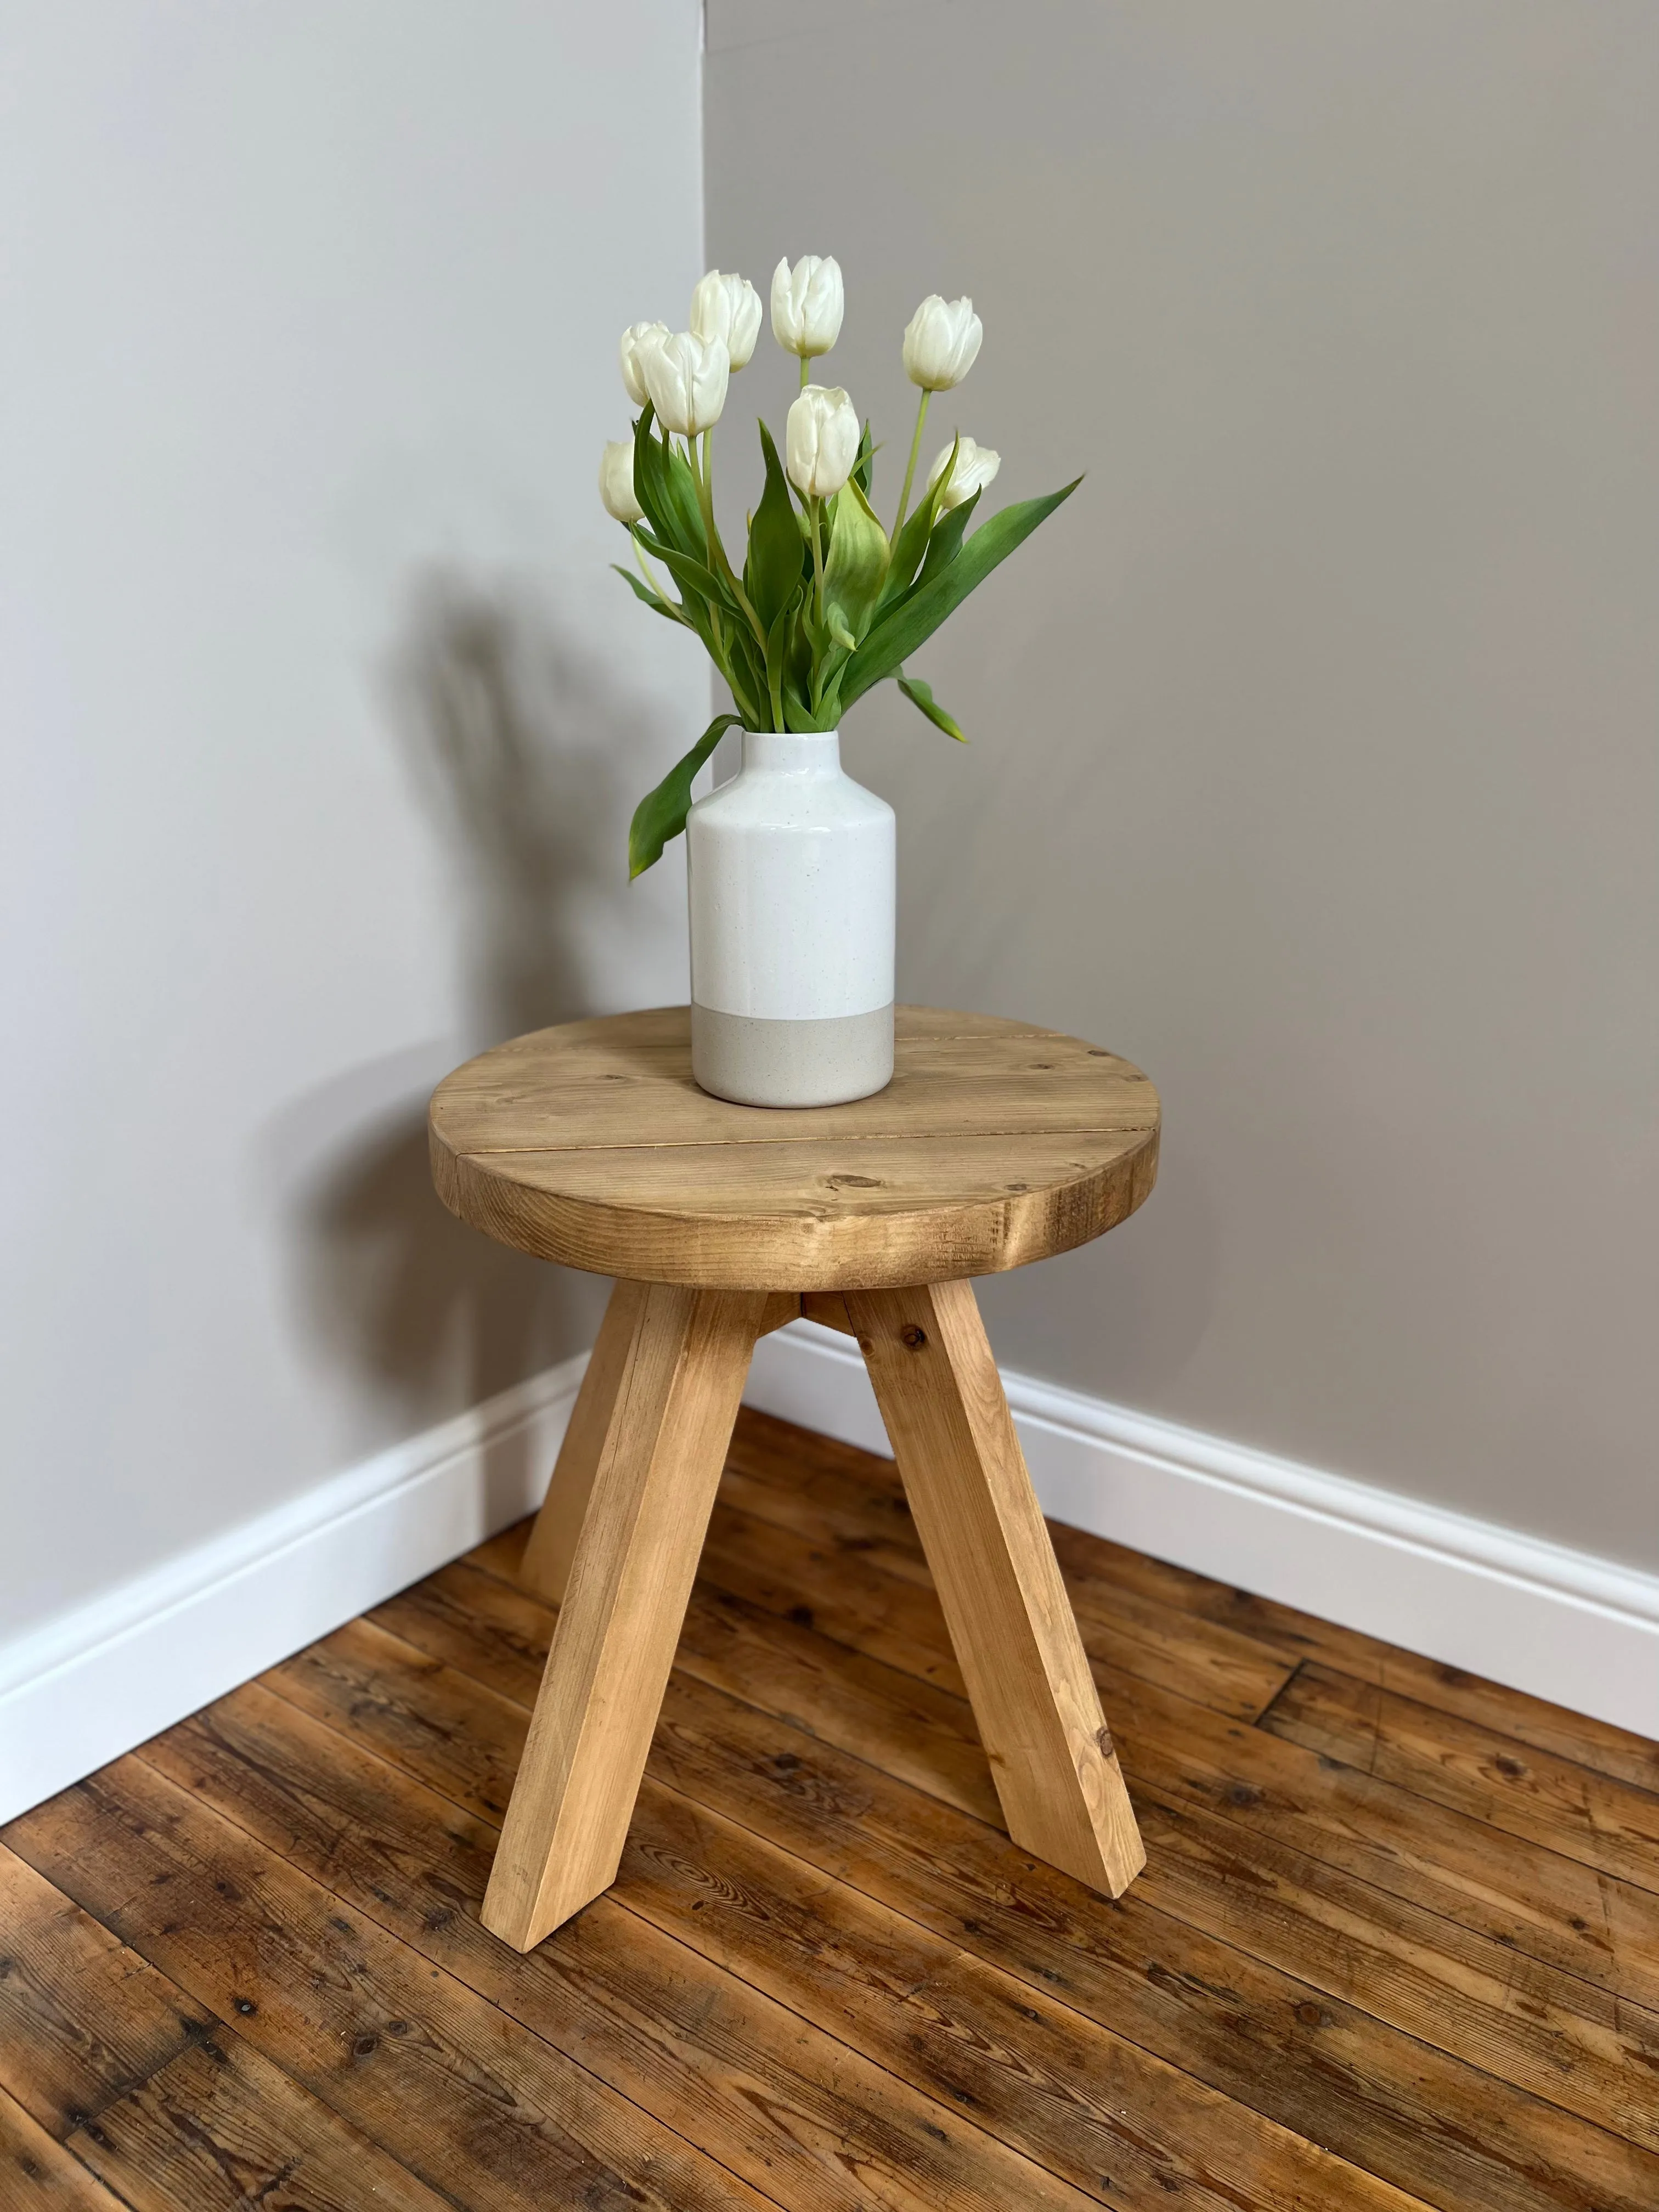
{"x": 790, "y": 872}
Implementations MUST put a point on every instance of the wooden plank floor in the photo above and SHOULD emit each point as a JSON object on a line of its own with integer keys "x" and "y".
{"x": 1397, "y": 1942}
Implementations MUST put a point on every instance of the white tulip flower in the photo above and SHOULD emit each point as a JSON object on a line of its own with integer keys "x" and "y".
{"x": 728, "y": 308}
{"x": 686, "y": 376}
{"x": 617, "y": 481}
{"x": 821, "y": 441}
{"x": 637, "y": 337}
{"x": 941, "y": 343}
{"x": 975, "y": 467}
{"x": 808, "y": 302}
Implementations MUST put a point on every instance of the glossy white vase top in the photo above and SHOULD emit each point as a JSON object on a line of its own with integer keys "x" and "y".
{"x": 791, "y": 872}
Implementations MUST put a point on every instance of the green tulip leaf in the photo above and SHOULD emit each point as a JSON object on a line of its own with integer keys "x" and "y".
{"x": 665, "y": 488}
{"x": 921, "y": 695}
{"x": 856, "y": 567}
{"x": 910, "y": 623}
{"x": 691, "y": 575}
{"x": 744, "y": 669}
{"x": 945, "y": 542}
{"x": 828, "y": 716}
{"x": 913, "y": 540}
{"x": 777, "y": 652}
{"x": 661, "y": 813}
{"x": 775, "y": 545}
{"x": 640, "y": 591}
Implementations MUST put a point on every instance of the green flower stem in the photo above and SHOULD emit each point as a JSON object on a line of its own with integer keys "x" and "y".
{"x": 910, "y": 472}
{"x": 805, "y": 369}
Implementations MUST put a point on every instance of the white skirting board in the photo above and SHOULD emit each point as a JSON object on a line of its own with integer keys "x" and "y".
{"x": 1579, "y": 1630}
{"x": 95, "y": 1681}
{"x": 92, "y": 1684}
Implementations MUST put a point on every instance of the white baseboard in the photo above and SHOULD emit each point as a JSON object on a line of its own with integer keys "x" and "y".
{"x": 106, "y": 1676}
{"x": 1580, "y": 1630}
{"x": 92, "y": 1684}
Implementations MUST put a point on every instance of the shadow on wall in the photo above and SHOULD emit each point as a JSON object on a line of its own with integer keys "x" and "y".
{"x": 514, "y": 735}
{"x": 523, "y": 752}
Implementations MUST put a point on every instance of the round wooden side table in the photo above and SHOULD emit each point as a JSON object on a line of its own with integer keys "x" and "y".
{"x": 996, "y": 1144}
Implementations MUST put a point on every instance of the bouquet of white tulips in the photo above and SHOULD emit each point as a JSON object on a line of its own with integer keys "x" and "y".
{"x": 829, "y": 602}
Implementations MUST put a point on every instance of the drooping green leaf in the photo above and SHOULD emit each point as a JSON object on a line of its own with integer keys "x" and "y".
{"x": 653, "y": 599}
{"x": 691, "y": 575}
{"x": 921, "y": 695}
{"x": 913, "y": 620}
{"x": 775, "y": 545}
{"x": 661, "y": 813}
{"x": 945, "y": 542}
{"x": 856, "y": 566}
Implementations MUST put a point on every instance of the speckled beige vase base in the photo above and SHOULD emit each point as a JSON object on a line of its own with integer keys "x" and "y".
{"x": 813, "y": 1063}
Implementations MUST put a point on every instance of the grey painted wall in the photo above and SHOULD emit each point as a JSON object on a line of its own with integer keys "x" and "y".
{"x": 1314, "y": 742}
{"x": 322, "y": 716}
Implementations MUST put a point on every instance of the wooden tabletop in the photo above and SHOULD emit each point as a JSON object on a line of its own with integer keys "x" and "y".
{"x": 996, "y": 1143}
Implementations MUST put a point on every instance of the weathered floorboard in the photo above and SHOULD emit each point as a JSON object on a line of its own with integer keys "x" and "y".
{"x": 222, "y": 2127}
{"x": 468, "y": 2100}
{"x": 82, "y": 2018}
{"x": 1429, "y": 2123}
{"x": 1396, "y": 1946}
{"x": 830, "y": 1492}
{"x": 1529, "y": 1899}
{"x": 37, "y": 2174}
{"x": 1077, "y": 2097}
{"x": 1569, "y": 1808}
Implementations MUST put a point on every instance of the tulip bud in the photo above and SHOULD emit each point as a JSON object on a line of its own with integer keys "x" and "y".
{"x": 821, "y": 441}
{"x": 636, "y": 337}
{"x": 941, "y": 343}
{"x": 727, "y": 308}
{"x": 975, "y": 467}
{"x": 685, "y": 376}
{"x": 808, "y": 302}
{"x": 617, "y": 481}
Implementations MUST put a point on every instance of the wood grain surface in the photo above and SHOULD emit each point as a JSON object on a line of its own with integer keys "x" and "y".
{"x": 1035, "y": 1703}
{"x": 1395, "y": 1946}
{"x": 995, "y": 1144}
{"x": 678, "y": 1378}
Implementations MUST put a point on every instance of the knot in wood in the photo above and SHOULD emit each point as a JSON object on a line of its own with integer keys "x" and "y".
{"x": 914, "y": 1337}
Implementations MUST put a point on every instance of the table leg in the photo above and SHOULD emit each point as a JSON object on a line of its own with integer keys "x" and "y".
{"x": 1011, "y": 1624}
{"x": 681, "y": 1376}
{"x": 545, "y": 1566}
